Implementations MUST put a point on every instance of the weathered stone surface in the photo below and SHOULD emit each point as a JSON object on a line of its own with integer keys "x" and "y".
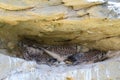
{"x": 12, "y": 68}
{"x": 52, "y": 22}
{"x": 82, "y": 4}
{"x": 92, "y": 23}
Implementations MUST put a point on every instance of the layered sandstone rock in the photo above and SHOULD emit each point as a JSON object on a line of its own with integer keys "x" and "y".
{"x": 88, "y": 23}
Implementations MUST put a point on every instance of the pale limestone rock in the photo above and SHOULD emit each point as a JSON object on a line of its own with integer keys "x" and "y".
{"x": 12, "y": 68}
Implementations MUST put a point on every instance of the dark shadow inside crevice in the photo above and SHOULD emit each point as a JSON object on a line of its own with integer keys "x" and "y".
{"x": 56, "y": 54}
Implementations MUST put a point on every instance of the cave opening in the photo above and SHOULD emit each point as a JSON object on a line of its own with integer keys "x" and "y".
{"x": 66, "y": 54}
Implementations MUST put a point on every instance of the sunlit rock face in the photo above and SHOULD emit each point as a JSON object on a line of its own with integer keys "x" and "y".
{"x": 92, "y": 23}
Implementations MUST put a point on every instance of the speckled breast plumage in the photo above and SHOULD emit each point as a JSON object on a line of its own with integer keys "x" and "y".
{"x": 31, "y": 50}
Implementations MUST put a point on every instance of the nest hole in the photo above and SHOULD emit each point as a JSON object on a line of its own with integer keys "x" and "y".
{"x": 70, "y": 54}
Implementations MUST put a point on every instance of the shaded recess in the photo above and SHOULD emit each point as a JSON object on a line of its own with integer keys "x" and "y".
{"x": 84, "y": 23}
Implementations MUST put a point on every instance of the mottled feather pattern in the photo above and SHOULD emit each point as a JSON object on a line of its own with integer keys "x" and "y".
{"x": 32, "y": 50}
{"x": 63, "y": 50}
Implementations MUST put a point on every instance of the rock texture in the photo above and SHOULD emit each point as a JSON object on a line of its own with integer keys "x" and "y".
{"x": 91, "y": 23}
{"x": 94, "y": 24}
{"x": 12, "y": 68}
